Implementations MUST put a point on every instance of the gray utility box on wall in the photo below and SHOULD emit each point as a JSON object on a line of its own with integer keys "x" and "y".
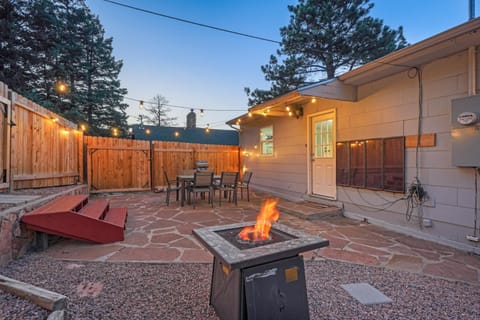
{"x": 465, "y": 132}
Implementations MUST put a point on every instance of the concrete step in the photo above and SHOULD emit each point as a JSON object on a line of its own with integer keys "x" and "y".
{"x": 309, "y": 210}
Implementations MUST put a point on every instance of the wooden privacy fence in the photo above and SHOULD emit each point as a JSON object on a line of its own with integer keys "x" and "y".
{"x": 38, "y": 148}
{"x": 133, "y": 165}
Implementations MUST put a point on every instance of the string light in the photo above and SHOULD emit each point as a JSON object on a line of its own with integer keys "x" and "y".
{"x": 61, "y": 87}
{"x": 207, "y": 129}
{"x": 141, "y": 104}
{"x": 201, "y": 112}
{"x": 212, "y": 124}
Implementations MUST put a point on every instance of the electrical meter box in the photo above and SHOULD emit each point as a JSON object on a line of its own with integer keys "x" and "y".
{"x": 465, "y": 126}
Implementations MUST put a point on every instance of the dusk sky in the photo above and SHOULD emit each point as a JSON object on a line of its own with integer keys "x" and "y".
{"x": 201, "y": 68}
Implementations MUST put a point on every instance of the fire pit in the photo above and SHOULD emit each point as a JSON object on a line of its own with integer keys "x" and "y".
{"x": 258, "y": 279}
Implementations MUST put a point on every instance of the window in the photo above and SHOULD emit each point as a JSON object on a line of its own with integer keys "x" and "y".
{"x": 324, "y": 139}
{"x": 373, "y": 164}
{"x": 357, "y": 163}
{"x": 343, "y": 169}
{"x": 266, "y": 140}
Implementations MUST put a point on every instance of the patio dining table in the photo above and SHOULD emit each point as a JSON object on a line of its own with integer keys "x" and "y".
{"x": 183, "y": 179}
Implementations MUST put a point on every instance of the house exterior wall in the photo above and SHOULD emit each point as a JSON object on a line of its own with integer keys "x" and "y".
{"x": 385, "y": 108}
{"x": 284, "y": 172}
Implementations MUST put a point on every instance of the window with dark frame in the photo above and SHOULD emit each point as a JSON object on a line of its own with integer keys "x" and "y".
{"x": 394, "y": 164}
{"x": 357, "y": 163}
{"x": 374, "y": 168}
{"x": 343, "y": 169}
{"x": 373, "y": 164}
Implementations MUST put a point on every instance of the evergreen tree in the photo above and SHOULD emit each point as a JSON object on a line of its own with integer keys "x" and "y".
{"x": 157, "y": 112}
{"x": 98, "y": 94}
{"x": 48, "y": 41}
{"x": 12, "y": 49}
{"x": 325, "y": 37}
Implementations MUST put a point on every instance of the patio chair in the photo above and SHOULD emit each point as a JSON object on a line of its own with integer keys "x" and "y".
{"x": 244, "y": 184}
{"x": 228, "y": 185}
{"x": 188, "y": 172}
{"x": 202, "y": 183}
{"x": 172, "y": 185}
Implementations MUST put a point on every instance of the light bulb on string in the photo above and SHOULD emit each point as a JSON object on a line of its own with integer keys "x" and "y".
{"x": 201, "y": 112}
{"x": 141, "y": 104}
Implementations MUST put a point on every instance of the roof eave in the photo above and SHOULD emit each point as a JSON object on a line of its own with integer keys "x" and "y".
{"x": 441, "y": 45}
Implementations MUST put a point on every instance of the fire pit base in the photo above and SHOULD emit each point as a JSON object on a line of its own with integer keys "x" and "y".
{"x": 274, "y": 290}
{"x": 264, "y": 281}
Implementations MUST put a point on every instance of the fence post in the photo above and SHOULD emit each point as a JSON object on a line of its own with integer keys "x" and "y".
{"x": 10, "y": 137}
{"x": 239, "y": 154}
{"x": 151, "y": 166}
{"x": 84, "y": 160}
{"x": 5, "y": 144}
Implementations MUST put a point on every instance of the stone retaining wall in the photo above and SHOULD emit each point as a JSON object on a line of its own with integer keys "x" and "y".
{"x": 15, "y": 239}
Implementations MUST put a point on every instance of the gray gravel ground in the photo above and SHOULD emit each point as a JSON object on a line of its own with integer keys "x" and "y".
{"x": 99, "y": 290}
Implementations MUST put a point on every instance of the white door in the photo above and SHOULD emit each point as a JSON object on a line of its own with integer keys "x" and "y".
{"x": 323, "y": 155}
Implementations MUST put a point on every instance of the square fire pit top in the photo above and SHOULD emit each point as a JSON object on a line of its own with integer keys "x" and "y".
{"x": 230, "y": 255}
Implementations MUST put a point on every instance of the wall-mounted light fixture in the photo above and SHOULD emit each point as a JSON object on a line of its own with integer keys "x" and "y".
{"x": 299, "y": 112}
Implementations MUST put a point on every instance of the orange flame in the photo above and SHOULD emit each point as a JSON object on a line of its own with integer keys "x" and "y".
{"x": 261, "y": 230}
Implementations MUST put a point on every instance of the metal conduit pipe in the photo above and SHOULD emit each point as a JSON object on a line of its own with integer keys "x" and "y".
{"x": 472, "y": 90}
{"x": 472, "y": 71}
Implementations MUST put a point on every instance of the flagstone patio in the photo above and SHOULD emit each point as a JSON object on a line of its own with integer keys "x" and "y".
{"x": 159, "y": 233}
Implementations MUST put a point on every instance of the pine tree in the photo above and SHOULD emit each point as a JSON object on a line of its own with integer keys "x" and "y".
{"x": 48, "y": 41}
{"x": 323, "y": 38}
{"x": 12, "y": 49}
{"x": 98, "y": 94}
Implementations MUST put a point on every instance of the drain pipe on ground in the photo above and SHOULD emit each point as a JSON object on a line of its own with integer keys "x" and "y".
{"x": 475, "y": 236}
